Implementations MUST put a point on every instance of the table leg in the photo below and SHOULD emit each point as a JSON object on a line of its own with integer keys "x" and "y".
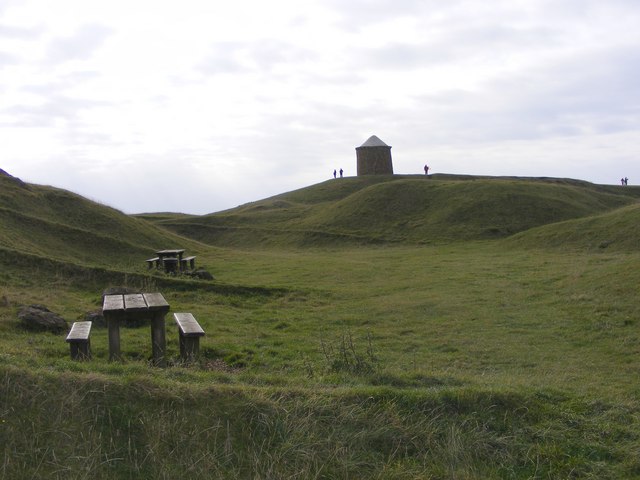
{"x": 113, "y": 324}
{"x": 158, "y": 339}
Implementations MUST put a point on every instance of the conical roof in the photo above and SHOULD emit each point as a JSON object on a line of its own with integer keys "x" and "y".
{"x": 374, "y": 141}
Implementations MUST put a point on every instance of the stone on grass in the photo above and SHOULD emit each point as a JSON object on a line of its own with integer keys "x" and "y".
{"x": 39, "y": 318}
{"x": 96, "y": 318}
{"x": 202, "y": 274}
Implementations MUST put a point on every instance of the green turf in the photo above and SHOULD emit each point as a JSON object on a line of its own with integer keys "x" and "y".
{"x": 401, "y": 209}
{"x": 378, "y": 343}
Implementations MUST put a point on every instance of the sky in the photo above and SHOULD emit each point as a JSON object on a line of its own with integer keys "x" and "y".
{"x": 202, "y": 105}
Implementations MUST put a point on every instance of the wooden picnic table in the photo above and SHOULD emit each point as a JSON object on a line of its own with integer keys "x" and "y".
{"x": 171, "y": 259}
{"x": 147, "y": 306}
{"x": 176, "y": 253}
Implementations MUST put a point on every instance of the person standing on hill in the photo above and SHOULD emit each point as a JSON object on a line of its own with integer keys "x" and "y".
{"x": 426, "y": 169}
{"x": 340, "y": 173}
{"x": 334, "y": 173}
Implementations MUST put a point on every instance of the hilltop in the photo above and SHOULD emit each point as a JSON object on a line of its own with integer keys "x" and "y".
{"x": 373, "y": 210}
{"x": 402, "y": 209}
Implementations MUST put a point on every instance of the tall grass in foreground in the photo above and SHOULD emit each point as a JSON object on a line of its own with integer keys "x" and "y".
{"x": 85, "y": 426}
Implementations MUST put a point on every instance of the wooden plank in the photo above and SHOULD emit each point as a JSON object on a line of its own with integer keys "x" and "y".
{"x": 170, "y": 252}
{"x": 188, "y": 258}
{"x": 188, "y": 325}
{"x": 113, "y": 303}
{"x": 79, "y": 332}
{"x": 134, "y": 303}
{"x": 156, "y": 301}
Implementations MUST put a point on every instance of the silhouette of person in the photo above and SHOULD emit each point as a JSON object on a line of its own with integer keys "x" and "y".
{"x": 340, "y": 173}
{"x": 334, "y": 174}
{"x": 426, "y": 169}
{"x": 626, "y": 181}
{"x": 622, "y": 181}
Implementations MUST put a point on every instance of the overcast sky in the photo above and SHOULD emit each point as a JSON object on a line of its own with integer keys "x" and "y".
{"x": 202, "y": 105}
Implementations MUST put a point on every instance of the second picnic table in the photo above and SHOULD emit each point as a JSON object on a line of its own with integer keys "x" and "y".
{"x": 172, "y": 260}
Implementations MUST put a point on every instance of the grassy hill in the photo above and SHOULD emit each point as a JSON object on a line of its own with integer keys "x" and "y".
{"x": 48, "y": 222}
{"x": 495, "y": 335}
{"x": 402, "y": 209}
{"x": 616, "y": 230}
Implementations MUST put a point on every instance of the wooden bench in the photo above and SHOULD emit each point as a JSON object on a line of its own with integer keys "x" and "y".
{"x": 151, "y": 261}
{"x": 79, "y": 342}
{"x": 188, "y": 260}
{"x": 190, "y": 333}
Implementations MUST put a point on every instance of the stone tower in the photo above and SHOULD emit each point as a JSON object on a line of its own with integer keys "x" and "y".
{"x": 374, "y": 157}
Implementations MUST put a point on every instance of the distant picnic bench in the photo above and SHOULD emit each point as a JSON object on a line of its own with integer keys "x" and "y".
{"x": 172, "y": 261}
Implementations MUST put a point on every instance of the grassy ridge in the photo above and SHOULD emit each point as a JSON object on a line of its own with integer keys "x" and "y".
{"x": 401, "y": 209}
{"x": 58, "y": 224}
{"x": 617, "y": 230}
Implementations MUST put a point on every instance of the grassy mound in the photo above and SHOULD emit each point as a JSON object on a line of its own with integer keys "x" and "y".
{"x": 55, "y": 223}
{"x": 401, "y": 209}
{"x": 618, "y": 230}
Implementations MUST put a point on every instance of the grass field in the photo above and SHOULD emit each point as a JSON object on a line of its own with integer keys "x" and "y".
{"x": 369, "y": 353}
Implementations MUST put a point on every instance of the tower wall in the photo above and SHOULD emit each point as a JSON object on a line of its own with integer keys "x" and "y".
{"x": 374, "y": 161}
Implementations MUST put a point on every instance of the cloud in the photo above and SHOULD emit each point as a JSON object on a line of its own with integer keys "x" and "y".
{"x": 356, "y": 14}
{"x": 79, "y": 46}
{"x": 19, "y": 33}
{"x": 262, "y": 56}
{"x": 224, "y": 58}
{"x": 48, "y": 112}
{"x": 7, "y": 59}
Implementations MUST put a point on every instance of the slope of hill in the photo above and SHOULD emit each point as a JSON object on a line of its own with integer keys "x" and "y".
{"x": 412, "y": 209}
{"x": 54, "y": 223}
{"x": 617, "y": 230}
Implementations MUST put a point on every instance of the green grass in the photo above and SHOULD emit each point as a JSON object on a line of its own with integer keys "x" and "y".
{"x": 401, "y": 209}
{"x": 482, "y": 358}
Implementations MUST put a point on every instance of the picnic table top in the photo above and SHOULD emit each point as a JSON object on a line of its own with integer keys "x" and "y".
{"x": 139, "y": 302}
{"x": 170, "y": 252}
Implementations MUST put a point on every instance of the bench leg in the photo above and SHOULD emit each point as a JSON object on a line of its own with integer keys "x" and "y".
{"x": 80, "y": 350}
{"x": 158, "y": 339}
{"x": 189, "y": 348}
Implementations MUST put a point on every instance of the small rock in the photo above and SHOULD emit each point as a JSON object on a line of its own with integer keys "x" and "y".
{"x": 202, "y": 274}
{"x": 40, "y": 318}
{"x": 96, "y": 318}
